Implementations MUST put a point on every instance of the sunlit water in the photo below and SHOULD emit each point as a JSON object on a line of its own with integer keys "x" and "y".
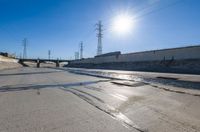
{"x": 131, "y": 77}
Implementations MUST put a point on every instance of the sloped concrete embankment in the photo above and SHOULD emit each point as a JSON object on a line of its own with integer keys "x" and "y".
{"x": 191, "y": 66}
{"x": 174, "y": 60}
{"x": 8, "y": 63}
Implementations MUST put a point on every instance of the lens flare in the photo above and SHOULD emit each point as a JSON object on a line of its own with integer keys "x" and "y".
{"x": 122, "y": 24}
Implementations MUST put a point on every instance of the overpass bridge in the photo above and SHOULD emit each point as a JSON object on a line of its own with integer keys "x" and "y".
{"x": 38, "y": 61}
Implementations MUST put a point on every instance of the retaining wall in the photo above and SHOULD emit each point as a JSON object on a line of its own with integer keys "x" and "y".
{"x": 181, "y": 60}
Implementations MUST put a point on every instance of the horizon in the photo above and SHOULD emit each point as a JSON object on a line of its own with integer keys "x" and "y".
{"x": 61, "y": 25}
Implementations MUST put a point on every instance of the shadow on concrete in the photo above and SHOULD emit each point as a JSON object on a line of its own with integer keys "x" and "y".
{"x": 28, "y": 73}
{"x": 10, "y": 88}
{"x": 23, "y": 64}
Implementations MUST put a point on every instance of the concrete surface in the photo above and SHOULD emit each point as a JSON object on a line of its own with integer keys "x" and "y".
{"x": 174, "y": 66}
{"x": 8, "y": 63}
{"x": 175, "y": 60}
{"x": 182, "y": 53}
{"x": 56, "y": 100}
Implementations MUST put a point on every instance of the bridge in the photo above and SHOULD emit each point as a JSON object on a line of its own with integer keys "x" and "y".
{"x": 38, "y": 61}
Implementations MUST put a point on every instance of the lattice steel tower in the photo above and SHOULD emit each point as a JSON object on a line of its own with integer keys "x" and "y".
{"x": 24, "y": 43}
{"x": 81, "y": 50}
{"x": 49, "y": 54}
{"x": 99, "y": 36}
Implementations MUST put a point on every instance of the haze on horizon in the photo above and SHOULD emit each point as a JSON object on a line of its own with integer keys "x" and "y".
{"x": 60, "y": 25}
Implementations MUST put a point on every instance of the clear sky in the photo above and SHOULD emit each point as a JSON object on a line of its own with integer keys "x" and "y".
{"x": 60, "y": 25}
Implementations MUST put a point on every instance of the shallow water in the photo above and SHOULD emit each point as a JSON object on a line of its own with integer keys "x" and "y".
{"x": 131, "y": 77}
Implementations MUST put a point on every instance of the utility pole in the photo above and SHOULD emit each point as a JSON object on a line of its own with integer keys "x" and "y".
{"x": 81, "y": 50}
{"x": 49, "y": 54}
{"x": 24, "y": 44}
{"x": 99, "y": 36}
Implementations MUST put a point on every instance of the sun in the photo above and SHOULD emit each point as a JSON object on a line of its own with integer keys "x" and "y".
{"x": 122, "y": 24}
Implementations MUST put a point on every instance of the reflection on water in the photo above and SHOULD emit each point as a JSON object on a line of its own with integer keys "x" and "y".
{"x": 131, "y": 77}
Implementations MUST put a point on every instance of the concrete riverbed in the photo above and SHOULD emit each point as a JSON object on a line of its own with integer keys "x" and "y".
{"x": 68, "y": 99}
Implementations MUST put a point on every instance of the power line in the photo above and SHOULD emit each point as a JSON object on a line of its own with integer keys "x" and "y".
{"x": 99, "y": 36}
{"x": 159, "y": 9}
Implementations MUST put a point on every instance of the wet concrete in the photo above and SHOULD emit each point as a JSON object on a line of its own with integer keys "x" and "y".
{"x": 171, "y": 81}
{"x": 58, "y": 100}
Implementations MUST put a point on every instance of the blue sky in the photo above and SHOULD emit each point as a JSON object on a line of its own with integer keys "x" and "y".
{"x": 60, "y": 25}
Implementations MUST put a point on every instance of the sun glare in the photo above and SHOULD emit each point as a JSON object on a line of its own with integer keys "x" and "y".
{"x": 122, "y": 24}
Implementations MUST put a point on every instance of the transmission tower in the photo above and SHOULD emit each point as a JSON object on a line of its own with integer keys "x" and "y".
{"x": 81, "y": 50}
{"x": 24, "y": 44}
{"x": 99, "y": 36}
{"x": 49, "y": 54}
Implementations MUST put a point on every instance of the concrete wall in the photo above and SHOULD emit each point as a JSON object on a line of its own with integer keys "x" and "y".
{"x": 192, "y": 52}
{"x": 177, "y": 60}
